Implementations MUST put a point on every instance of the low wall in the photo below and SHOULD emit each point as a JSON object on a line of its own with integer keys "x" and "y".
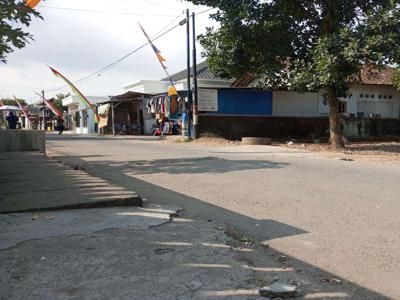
{"x": 236, "y": 127}
{"x": 367, "y": 128}
{"x": 22, "y": 140}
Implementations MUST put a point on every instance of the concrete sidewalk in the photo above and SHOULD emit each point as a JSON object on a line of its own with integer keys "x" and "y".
{"x": 116, "y": 252}
{"x": 30, "y": 181}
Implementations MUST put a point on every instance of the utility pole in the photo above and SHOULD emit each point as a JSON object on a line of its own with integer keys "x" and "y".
{"x": 44, "y": 111}
{"x": 112, "y": 118}
{"x": 195, "y": 90}
{"x": 189, "y": 90}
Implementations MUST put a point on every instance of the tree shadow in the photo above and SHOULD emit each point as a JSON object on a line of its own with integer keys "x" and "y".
{"x": 202, "y": 165}
{"x": 260, "y": 230}
{"x": 387, "y": 148}
{"x": 83, "y": 137}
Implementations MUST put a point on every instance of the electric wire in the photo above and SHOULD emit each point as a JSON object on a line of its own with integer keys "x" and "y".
{"x": 109, "y": 66}
{"x": 106, "y": 12}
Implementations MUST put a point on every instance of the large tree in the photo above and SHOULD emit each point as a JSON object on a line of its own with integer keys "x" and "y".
{"x": 15, "y": 17}
{"x": 304, "y": 45}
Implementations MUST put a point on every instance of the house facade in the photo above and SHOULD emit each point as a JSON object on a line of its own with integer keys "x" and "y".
{"x": 80, "y": 118}
{"x": 364, "y": 101}
{"x": 237, "y": 108}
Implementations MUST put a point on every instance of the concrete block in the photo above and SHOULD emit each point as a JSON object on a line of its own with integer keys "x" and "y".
{"x": 256, "y": 141}
{"x": 22, "y": 140}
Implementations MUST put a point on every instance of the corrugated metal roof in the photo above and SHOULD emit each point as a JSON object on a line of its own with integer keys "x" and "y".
{"x": 203, "y": 72}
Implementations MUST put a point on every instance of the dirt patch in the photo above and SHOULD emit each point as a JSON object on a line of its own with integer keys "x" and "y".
{"x": 205, "y": 139}
{"x": 378, "y": 151}
{"x": 211, "y": 139}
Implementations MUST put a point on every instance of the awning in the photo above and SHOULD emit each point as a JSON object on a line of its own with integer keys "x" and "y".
{"x": 9, "y": 108}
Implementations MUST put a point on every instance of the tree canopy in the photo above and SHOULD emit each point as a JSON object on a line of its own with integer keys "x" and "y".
{"x": 303, "y": 45}
{"x": 15, "y": 17}
{"x": 8, "y": 101}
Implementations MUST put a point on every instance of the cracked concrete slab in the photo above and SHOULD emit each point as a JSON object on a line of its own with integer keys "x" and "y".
{"x": 17, "y": 228}
{"x": 179, "y": 260}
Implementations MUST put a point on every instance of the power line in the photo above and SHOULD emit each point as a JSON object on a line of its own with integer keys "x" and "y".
{"x": 109, "y": 66}
{"x": 106, "y": 12}
{"x": 147, "y": 2}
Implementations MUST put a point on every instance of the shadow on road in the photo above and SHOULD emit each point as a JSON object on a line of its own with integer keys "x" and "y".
{"x": 208, "y": 165}
{"x": 76, "y": 137}
{"x": 261, "y": 230}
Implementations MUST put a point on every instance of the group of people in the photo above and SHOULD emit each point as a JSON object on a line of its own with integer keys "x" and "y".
{"x": 12, "y": 122}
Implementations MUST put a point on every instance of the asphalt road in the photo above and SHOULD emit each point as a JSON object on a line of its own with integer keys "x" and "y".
{"x": 339, "y": 216}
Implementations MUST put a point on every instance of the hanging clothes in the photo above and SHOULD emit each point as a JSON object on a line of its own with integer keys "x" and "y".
{"x": 173, "y": 107}
{"x": 152, "y": 106}
{"x": 167, "y": 107}
{"x": 166, "y": 128}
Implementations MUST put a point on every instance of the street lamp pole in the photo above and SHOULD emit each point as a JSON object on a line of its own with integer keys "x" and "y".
{"x": 195, "y": 90}
{"x": 189, "y": 90}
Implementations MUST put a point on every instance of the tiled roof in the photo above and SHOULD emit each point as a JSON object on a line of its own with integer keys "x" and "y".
{"x": 375, "y": 76}
{"x": 244, "y": 81}
{"x": 370, "y": 75}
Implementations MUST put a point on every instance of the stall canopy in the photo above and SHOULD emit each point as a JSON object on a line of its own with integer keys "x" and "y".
{"x": 123, "y": 110}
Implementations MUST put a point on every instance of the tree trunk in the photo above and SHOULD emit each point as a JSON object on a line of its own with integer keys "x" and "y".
{"x": 336, "y": 136}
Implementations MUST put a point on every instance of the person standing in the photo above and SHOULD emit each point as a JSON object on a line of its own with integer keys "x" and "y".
{"x": 60, "y": 125}
{"x": 12, "y": 120}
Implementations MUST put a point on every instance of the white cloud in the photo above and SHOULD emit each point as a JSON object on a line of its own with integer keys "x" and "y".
{"x": 79, "y": 43}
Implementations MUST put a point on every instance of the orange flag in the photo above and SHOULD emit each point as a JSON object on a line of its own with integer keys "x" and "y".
{"x": 32, "y": 3}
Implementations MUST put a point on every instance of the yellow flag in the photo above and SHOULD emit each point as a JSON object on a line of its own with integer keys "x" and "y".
{"x": 32, "y": 3}
{"x": 172, "y": 91}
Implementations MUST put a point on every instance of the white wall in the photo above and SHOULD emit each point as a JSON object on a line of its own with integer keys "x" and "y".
{"x": 152, "y": 87}
{"x": 370, "y": 99}
{"x": 313, "y": 104}
{"x": 290, "y": 104}
{"x": 75, "y": 104}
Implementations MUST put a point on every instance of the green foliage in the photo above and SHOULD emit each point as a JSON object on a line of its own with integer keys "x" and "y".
{"x": 12, "y": 102}
{"x": 58, "y": 101}
{"x": 302, "y": 45}
{"x": 396, "y": 79}
{"x": 15, "y": 16}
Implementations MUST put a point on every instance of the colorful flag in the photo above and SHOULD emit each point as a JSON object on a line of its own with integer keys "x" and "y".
{"x": 160, "y": 58}
{"x": 53, "y": 108}
{"x": 32, "y": 3}
{"x": 172, "y": 91}
{"x": 23, "y": 108}
{"x": 83, "y": 99}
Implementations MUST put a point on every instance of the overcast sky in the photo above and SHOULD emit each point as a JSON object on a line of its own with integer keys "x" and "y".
{"x": 78, "y": 43}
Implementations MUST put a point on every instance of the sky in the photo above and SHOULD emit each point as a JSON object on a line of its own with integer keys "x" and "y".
{"x": 94, "y": 34}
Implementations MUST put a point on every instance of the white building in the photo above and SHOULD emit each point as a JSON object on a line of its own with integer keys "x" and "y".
{"x": 373, "y": 97}
{"x": 82, "y": 119}
{"x": 204, "y": 80}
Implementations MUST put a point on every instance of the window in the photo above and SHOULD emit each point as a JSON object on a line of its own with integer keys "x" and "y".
{"x": 367, "y": 96}
{"x": 384, "y": 97}
{"x": 380, "y": 97}
{"x": 342, "y": 107}
{"x": 372, "y": 96}
{"x": 361, "y": 95}
{"x": 77, "y": 119}
{"x": 390, "y": 97}
{"x": 85, "y": 118}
